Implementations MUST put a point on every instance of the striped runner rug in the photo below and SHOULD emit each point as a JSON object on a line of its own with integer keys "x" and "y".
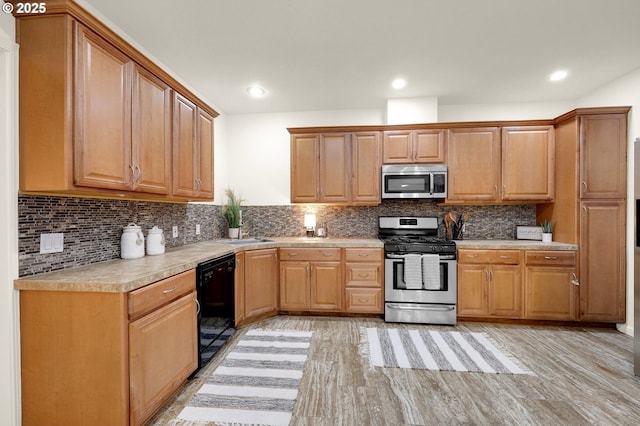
{"x": 439, "y": 350}
{"x": 257, "y": 382}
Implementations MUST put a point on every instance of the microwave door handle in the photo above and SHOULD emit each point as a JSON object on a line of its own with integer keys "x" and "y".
{"x": 431, "y": 183}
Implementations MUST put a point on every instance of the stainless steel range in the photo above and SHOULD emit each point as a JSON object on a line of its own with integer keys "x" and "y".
{"x": 420, "y": 278}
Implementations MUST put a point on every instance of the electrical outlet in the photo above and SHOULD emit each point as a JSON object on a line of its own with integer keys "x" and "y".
{"x": 51, "y": 243}
{"x": 175, "y": 231}
{"x": 197, "y": 229}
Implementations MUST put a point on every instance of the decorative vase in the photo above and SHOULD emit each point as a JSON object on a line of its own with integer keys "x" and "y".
{"x": 234, "y": 233}
{"x": 547, "y": 237}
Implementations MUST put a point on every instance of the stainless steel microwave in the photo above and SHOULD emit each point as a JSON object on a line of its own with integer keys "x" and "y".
{"x": 414, "y": 181}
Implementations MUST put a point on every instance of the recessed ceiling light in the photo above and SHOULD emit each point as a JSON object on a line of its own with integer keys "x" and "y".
{"x": 558, "y": 75}
{"x": 256, "y": 91}
{"x": 399, "y": 83}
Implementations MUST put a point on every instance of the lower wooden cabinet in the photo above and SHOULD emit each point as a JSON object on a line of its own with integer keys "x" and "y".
{"x": 260, "y": 286}
{"x": 489, "y": 283}
{"x": 309, "y": 283}
{"x": 106, "y": 358}
{"x": 551, "y": 285}
{"x": 363, "y": 280}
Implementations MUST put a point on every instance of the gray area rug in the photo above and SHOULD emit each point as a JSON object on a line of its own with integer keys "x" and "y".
{"x": 257, "y": 382}
{"x": 438, "y": 350}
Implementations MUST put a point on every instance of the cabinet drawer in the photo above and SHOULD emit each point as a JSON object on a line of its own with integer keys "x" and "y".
{"x": 315, "y": 254}
{"x": 367, "y": 300}
{"x": 363, "y": 255}
{"x": 363, "y": 275}
{"x": 550, "y": 258}
{"x": 154, "y": 295}
{"x": 504, "y": 257}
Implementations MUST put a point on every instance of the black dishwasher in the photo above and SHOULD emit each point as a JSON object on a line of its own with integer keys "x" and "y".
{"x": 215, "y": 283}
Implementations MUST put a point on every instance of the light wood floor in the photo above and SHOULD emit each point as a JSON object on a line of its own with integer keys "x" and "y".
{"x": 583, "y": 377}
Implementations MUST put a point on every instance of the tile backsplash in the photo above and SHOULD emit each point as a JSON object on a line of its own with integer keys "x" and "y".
{"x": 92, "y": 227}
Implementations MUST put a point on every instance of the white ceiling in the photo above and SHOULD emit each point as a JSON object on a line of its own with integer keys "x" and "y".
{"x": 343, "y": 54}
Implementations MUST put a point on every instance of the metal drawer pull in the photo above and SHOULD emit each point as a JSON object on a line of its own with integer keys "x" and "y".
{"x": 170, "y": 290}
{"x": 472, "y": 256}
{"x": 551, "y": 257}
{"x": 363, "y": 275}
{"x": 197, "y": 307}
{"x": 575, "y": 281}
{"x": 327, "y": 254}
{"x": 363, "y": 300}
{"x": 364, "y": 255}
{"x": 292, "y": 254}
{"x": 505, "y": 257}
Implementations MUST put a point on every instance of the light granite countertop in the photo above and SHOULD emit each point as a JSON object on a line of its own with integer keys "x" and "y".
{"x": 121, "y": 276}
{"x": 514, "y": 245}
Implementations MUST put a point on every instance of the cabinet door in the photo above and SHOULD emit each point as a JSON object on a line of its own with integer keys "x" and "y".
{"x": 305, "y": 168}
{"x": 151, "y": 133}
{"x": 334, "y": 168}
{"x": 603, "y": 156}
{"x": 505, "y": 291}
{"x": 294, "y": 285}
{"x": 326, "y": 286}
{"x": 397, "y": 147}
{"x": 102, "y": 142}
{"x": 528, "y": 163}
{"x": 472, "y": 292}
{"x": 184, "y": 147}
{"x": 260, "y": 283}
{"x": 163, "y": 351}
{"x": 204, "y": 158}
{"x": 550, "y": 293}
{"x": 366, "y": 167}
{"x": 474, "y": 164}
{"x": 429, "y": 145}
{"x": 602, "y": 261}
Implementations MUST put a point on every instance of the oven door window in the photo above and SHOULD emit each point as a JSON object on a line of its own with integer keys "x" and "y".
{"x": 397, "y": 184}
{"x": 399, "y": 284}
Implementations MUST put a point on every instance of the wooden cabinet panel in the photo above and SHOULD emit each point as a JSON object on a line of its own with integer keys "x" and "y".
{"x": 472, "y": 293}
{"x": 261, "y": 283}
{"x": 528, "y": 163}
{"x": 489, "y": 256}
{"x": 310, "y": 254}
{"x": 602, "y": 261}
{"x": 505, "y": 291}
{"x": 151, "y": 133}
{"x": 205, "y": 155}
{"x": 363, "y": 255}
{"x": 152, "y": 296}
{"x": 364, "y": 300}
{"x": 474, "y": 164}
{"x": 334, "y": 168}
{"x": 326, "y": 286}
{"x": 550, "y": 293}
{"x": 102, "y": 114}
{"x": 603, "y": 156}
{"x": 305, "y": 168}
{"x": 294, "y": 286}
{"x": 365, "y": 167}
{"x": 363, "y": 274}
{"x": 163, "y": 352}
{"x": 414, "y": 146}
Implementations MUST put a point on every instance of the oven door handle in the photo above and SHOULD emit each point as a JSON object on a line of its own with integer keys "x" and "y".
{"x": 395, "y": 256}
{"x": 419, "y": 307}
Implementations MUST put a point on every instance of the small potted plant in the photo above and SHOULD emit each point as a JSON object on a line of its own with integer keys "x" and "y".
{"x": 232, "y": 213}
{"x": 547, "y": 231}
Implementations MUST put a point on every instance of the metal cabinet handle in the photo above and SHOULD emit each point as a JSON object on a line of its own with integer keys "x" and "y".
{"x": 495, "y": 189}
{"x": 139, "y": 178}
{"x": 363, "y": 254}
{"x": 292, "y": 254}
{"x": 472, "y": 256}
{"x": 575, "y": 281}
{"x": 584, "y": 187}
{"x": 363, "y": 300}
{"x": 327, "y": 254}
{"x": 197, "y": 307}
{"x": 171, "y": 290}
{"x": 584, "y": 211}
{"x": 551, "y": 257}
{"x": 133, "y": 174}
{"x": 363, "y": 275}
{"x": 505, "y": 257}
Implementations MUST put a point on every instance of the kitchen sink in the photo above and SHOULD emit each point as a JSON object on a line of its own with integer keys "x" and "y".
{"x": 246, "y": 241}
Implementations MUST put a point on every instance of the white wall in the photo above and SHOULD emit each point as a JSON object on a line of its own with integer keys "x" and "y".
{"x": 491, "y": 112}
{"x": 257, "y": 147}
{"x": 9, "y": 350}
{"x": 621, "y": 92}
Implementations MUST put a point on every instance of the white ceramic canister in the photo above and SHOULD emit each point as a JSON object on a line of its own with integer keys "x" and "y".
{"x": 155, "y": 241}
{"x": 132, "y": 242}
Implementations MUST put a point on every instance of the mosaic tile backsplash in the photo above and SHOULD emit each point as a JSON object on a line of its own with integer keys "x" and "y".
{"x": 92, "y": 227}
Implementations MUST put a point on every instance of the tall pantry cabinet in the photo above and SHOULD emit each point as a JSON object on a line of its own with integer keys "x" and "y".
{"x": 590, "y": 206}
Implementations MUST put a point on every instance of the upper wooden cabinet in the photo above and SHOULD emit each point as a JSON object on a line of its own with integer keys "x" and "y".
{"x": 603, "y": 156}
{"x": 192, "y": 150}
{"x": 414, "y": 146}
{"x": 528, "y": 163}
{"x": 337, "y": 168}
{"x": 103, "y": 112}
{"x": 474, "y": 164}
